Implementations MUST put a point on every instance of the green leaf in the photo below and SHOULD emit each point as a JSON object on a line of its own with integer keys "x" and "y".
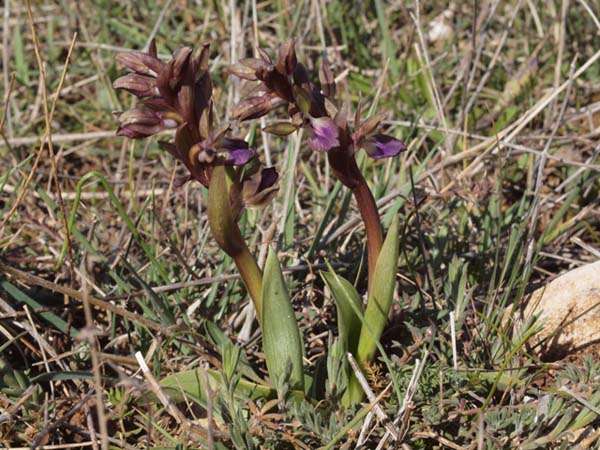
{"x": 348, "y": 304}
{"x": 378, "y": 307}
{"x": 281, "y": 336}
{"x": 192, "y": 383}
{"x": 380, "y": 297}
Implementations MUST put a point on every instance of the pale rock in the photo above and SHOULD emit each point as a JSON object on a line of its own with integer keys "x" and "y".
{"x": 568, "y": 308}
{"x": 440, "y": 28}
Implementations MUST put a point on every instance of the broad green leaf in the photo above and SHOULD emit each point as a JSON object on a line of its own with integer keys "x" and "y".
{"x": 348, "y": 303}
{"x": 378, "y": 306}
{"x": 192, "y": 383}
{"x": 380, "y": 298}
{"x": 281, "y": 336}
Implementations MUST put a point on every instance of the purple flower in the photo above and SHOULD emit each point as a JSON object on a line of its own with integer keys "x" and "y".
{"x": 324, "y": 134}
{"x": 178, "y": 94}
{"x": 237, "y": 152}
{"x": 256, "y": 189}
{"x": 376, "y": 145}
{"x": 380, "y": 146}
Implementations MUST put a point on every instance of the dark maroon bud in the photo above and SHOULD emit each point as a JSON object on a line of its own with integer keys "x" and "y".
{"x": 287, "y": 61}
{"x": 241, "y": 70}
{"x": 327, "y": 80}
{"x": 140, "y": 123}
{"x": 255, "y": 107}
{"x": 265, "y": 56}
{"x": 181, "y": 63}
{"x": 138, "y": 85}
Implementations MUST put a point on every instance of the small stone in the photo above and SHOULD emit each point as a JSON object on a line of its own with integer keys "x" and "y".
{"x": 569, "y": 310}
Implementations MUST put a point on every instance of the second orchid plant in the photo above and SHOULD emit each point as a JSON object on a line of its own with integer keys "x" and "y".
{"x": 178, "y": 95}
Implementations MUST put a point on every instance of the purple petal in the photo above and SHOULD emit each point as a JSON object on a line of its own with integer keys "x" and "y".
{"x": 323, "y": 134}
{"x": 383, "y": 146}
{"x": 268, "y": 177}
{"x": 238, "y": 152}
{"x": 258, "y": 187}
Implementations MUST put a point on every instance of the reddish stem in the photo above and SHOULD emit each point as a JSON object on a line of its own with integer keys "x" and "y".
{"x": 370, "y": 215}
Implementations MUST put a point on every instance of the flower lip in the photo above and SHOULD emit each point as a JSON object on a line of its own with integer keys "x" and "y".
{"x": 324, "y": 134}
{"x": 237, "y": 152}
{"x": 269, "y": 177}
{"x": 258, "y": 187}
{"x": 380, "y": 146}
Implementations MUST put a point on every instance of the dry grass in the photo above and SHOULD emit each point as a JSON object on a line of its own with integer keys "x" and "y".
{"x": 499, "y": 192}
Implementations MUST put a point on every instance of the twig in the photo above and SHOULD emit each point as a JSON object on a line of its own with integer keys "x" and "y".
{"x": 5, "y": 65}
{"x": 157, "y": 24}
{"x": 581, "y": 400}
{"x": 158, "y": 391}
{"x": 89, "y": 334}
{"x": 591, "y": 13}
{"x": 539, "y": 178}
{"x": 45, "y": 138}
{"x": 48, "y": 133}
{"x": 453, "y": 335}
{"x": 364, "y": 430}
{"x": 404, "y": 412}
{"x": 387, "y": 423}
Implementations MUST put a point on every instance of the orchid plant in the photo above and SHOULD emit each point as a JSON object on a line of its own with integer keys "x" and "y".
{"x": 178, "y": 95}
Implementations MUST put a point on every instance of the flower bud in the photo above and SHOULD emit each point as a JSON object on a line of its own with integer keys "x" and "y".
{"x": 141, "y": 63}
{"x": 327, "y": 80}
{"x": 254, "y": 107}
{"x": 140, "y": 123}
{"x": 287, "y": 61}
{"x": 280, "y": 128}
{"x": 138, "y": 85}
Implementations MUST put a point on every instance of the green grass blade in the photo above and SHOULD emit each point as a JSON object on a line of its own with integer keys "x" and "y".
{"x": 25, "y": 299}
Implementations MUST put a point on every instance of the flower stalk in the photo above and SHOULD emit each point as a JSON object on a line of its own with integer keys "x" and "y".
{"x": 225, "y": 230}
{"x": 373, "y": 228}
{"x": 178, "y": 94}
{"x": 314, "y": 107}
